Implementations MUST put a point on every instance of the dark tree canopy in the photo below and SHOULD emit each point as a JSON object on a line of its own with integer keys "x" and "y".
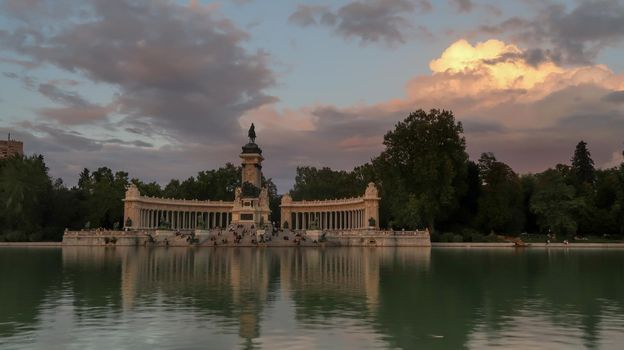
{"x": 583, "y": 165}
{"x": 316, "y": 184}
{"x": 500, "y": 203}
{"x": 555, "y": 204}
{"x": 427, "y": 153}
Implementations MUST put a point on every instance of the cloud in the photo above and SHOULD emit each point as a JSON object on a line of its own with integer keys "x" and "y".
{"x": 617, "y": 159}
{"x": 530, "y": 116}
{"x": 306, "y": 15}
{"x": 369, "y": 21}
{"x": 575, "y": 34}
{"x": 76, "y": 109}
{"x": 22, "y": 63}
{"x": 182, "y": 69}
{"x": 463, "y": 5}
{"x": 615, "y": 97}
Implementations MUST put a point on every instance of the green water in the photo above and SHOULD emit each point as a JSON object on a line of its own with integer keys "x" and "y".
{"x": 284, "y": 298}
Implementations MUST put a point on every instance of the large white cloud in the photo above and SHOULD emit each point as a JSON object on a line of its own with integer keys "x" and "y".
{"x": 530, "y": 115}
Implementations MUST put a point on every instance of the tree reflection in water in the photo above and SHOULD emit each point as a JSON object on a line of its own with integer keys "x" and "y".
{"x": 338, "y": 297}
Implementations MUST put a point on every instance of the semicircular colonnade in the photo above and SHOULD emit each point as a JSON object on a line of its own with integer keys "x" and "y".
{"x": 334, "y": 214}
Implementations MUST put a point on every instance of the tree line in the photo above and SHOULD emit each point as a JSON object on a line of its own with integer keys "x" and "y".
{"x": 426, "y": 179}
{"x": 424, "y": 175}
{"x": 36, "y": 207}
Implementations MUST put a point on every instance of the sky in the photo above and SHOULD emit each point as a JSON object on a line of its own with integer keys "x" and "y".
{"x": 164, "y": 89}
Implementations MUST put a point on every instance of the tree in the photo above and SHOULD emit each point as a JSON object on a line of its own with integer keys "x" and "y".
{"x": 274, "y": 200}
{"x": 583, "y": 165}
{"x": 427, "y": 154}
{"x": 500, "y": 203}
{"x": 555, "y": 204}
{"x": 319, "y": 184}
{"x": 24, "y": 189}
{"x": 151, "y": 189}
{"x": 104, "y": 193}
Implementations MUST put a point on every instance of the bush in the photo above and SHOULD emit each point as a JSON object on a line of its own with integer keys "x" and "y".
{"x": 471, "y": 235}
{"x": 14, "y": 236}
{"x": 491, "y": 238}
{"x": 451, "y": 237}
{"x": 36, "y": 236}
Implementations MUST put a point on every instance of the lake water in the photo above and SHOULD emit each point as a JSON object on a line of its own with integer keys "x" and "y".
{"x": 288, "y": 298}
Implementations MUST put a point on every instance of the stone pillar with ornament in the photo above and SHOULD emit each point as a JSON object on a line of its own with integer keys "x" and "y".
{"x": 371, "y": 206}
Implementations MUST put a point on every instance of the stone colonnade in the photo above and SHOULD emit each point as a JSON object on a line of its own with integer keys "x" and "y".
{"x": 334, "y": 214}
{"x": 182, "y": 219}
{"x": 148, "y": 212}
{"x": 303, "y": 219}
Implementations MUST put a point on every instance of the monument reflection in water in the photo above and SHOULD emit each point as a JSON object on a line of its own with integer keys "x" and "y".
{"x": 78, "y": 297}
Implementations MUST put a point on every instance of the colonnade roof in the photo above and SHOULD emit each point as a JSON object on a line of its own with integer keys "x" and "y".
{"x": 180, "y": 202}
{"x": 321, "y": 203}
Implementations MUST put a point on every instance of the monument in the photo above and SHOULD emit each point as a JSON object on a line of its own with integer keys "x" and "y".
{"x": 251, "y": 202}
{"x": 245, "y": 220}
{"x": 249, "y": 208}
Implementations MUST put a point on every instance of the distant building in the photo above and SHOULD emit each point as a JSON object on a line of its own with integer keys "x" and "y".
{"x": 11, "y": 147}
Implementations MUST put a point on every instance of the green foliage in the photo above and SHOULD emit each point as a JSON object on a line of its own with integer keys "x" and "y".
{"x": 24, "y": 192}
{"x": 555, "y": 204}
{"x": 218, "y": 184}
{"x": 151, "y": 189}
{"x": 103, "y": 192}
{"x": 501, "y": 199}
{"x": 583, "y": 165}
{"x": 318, "y": 184}
{"x": 425, "y": 159}
{"x": 447, "y": 237}
{"x": 248, "y": 190}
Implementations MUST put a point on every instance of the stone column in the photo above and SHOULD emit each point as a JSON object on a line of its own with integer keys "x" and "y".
{"x": 360, "y": 218}
{"x": 293, "y": 218}
{"x": 339, "y": 219}
{"x": 350, "y": 213}
{"x": 348, "y": 219}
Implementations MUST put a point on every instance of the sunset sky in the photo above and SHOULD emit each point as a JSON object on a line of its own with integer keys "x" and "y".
{"x": 164, "y": 89}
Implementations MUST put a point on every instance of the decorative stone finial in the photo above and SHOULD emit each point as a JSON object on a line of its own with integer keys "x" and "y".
{"x": 371, "y": 191}
{"x": 286, "y": 199}
{"x": 132, "y": 191}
